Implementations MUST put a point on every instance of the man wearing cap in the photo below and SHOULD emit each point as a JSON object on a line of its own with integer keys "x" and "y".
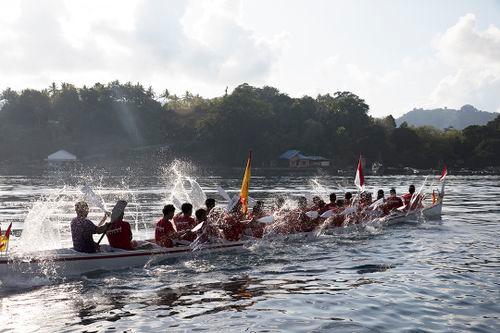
{"x": 82, "y": 229}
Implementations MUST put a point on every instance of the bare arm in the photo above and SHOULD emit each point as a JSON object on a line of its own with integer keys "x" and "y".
{"x": 101, "y": 228}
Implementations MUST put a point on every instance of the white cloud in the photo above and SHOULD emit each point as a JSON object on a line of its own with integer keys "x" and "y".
{"x": 148, "y": 41}
{"x": 473, "y": 58}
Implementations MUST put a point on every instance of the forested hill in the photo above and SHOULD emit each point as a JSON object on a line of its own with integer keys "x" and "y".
{"x": 446, "y": 118}
{"x": 113, "y": 119}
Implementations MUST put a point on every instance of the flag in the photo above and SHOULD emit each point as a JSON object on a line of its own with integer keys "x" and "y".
{"x": 4, "y": 240}
{"x": 245, "y": 185}
{"x": 443, "y": 174}
{"x": 359, "y": 180}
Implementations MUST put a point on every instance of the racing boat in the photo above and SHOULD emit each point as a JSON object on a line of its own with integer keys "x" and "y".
{"x": 68, "y": 262}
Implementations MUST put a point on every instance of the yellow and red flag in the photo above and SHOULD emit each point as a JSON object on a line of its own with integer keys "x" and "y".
{"x": 245, "y": 185}
{"x": 4, "y": 240}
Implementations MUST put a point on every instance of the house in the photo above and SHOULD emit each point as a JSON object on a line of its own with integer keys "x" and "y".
{"x": 296, "y": 159}
{"x": 61, "y": 156}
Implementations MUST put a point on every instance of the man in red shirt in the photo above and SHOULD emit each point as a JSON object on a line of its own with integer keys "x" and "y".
{"x": 120, "y": 235}
{"x": 417, "y": 199}
{"x": 333, "y": 202}
{"x": 165, "y": 228}
{"x": 185, "y": 221}
{"x": 392, "y": 202}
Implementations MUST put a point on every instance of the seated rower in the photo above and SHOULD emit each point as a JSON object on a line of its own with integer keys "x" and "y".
{"x": 165, "y": 229}
{"x": 278, "y": 204}
{"x": 316, "y": 200}
{"x": 417, "y": 199}
{"x": 380, "y": 194}
{"x": 347, "y": 199}
{"x": 332, "y": 204}
{"x": 257, "y": 211}
{"x": 119, "y": 234}
{"x": 392, "y": 202}
{"x": 210, "y": 204}
{"x": 185, "y": 221}
{"x": 254, "y": 228}
{"x": 82, "y": 229}
{"x": 201, "y": 215}
{"x": 365, "y": 199}
{"x": 232, "y": 227}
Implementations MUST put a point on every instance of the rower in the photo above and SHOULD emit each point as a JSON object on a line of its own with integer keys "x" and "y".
{"x": 365, "y": 199}
{"x": 392, "y": 202}
{"x": 254, "y": 228}
{"x": 119, "y": 234}
{"x": 232, "y": 227}
{"x": 380, "y": 194}
{"x": 278, "y": 204}
{"x": 347, "y": 198}
{"x": 184, "y": 221}
{"x": 407, "y": 196}
{"x": 332, "y": 204}
{"x": 257, "y": 211}
{"x": 210, "y": 204}
{"x": 165, "y": 228}
{"x": 316, "y": 200}
{"x": 201, "y": 215}
{"x": 82, "y": 229}
{"x": 417, "y": 200}
{"x": 302, "y": 204}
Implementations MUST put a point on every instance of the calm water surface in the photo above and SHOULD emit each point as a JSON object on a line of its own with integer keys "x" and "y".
{"x": 435, "y": 276}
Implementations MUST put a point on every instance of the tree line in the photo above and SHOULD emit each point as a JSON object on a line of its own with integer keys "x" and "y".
{"x": 115, "y": 117}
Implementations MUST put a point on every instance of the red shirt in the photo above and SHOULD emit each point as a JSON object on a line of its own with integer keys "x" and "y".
{"x": 232, "y": 228}
{"x": 330, "y": 206}
{"x": 417, "y": 201}
{"x": 183, "y": 222}
{"x": 163, "y": 231}
{"x": 119, "y": 235}
{"x": 392, "y": 203}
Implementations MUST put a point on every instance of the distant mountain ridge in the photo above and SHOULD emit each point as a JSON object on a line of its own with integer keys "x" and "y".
{"x": 444, "y": 118}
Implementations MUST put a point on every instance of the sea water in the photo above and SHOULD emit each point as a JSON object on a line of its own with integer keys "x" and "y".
{"x": 437, "y": 276}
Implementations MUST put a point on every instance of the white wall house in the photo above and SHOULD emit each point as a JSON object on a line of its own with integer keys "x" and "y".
{"x": 61, "y": 156}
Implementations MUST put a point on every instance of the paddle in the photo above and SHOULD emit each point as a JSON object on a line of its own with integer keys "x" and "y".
{"x": 223, "y": 193}
{"x": 326, "y": 214}
{"x": 117, "y": 211}
{"x": 415, "y": 195}
{"x": 312, "y": 214}
{"x": 266, "y": 219}
{"x": 376, "y": 204}
{"x": 93, "y": 198}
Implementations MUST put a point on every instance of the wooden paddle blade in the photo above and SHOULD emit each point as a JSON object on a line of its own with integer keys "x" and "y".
{"x": 312, "y": 214}
{"x": 197, "y": 227}
{"x": 266, "y": 219}
{"x": 118, "y": 210}
{"x": 327, "y": 214}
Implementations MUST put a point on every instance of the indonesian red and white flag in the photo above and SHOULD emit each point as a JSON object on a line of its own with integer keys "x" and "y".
{"x": 444, "y": 174}
{"x": 359, "y": 180}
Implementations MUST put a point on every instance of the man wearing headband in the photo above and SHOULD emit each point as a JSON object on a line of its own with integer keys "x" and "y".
{"x": 82, "y": 229}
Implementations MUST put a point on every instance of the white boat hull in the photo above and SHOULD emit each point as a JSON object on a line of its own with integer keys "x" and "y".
{"x": 68, "y": 262}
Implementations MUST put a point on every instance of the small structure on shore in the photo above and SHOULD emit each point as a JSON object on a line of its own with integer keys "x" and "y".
{"x": 296, "y": 159}
{"x": 61, "y": 156}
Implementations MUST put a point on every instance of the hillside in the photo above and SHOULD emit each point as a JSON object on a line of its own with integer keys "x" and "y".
{"x": 444, "y": 118}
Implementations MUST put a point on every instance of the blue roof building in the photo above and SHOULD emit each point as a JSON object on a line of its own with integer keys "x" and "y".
{"x": 296, "y": 159}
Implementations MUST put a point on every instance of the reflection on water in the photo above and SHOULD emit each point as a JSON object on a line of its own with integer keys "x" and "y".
{"x": 430, "y": 276}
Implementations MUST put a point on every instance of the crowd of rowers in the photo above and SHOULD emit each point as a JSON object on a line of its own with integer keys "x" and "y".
{"x": 213, "y": 223}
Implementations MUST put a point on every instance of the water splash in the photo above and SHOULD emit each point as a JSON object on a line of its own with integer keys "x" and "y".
{"x": 46, "y": 222}
{"x": 183, "y": 186}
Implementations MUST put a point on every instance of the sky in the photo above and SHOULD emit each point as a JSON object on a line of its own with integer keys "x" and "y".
{"x": 395, "y": 54}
